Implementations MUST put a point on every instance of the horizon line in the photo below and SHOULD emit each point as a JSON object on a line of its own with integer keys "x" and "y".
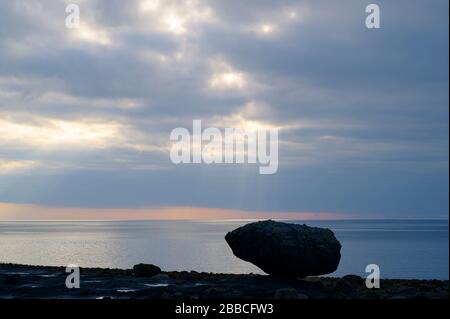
{"x": 223, "y": 219}
{"x": 33, "y": 212}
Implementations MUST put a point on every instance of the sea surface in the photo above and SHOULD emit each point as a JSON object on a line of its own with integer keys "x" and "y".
{"x": 405, "y": 249}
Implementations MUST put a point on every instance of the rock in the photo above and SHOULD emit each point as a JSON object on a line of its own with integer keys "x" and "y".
{"x": 161, "y": 277}
{"x": 166, "y": 295}
{"x": 350, "y": 282}
{"x": 309, "y": 285}
{"x": 367, "y": 294}
{"x": 146, "y": 270}
{"x": 234, "y": 294}
{"x": 215, "y": 292}
{"x": 11, "y": 280}
{"x": 407, "y": 291}
{"x": 354, "y": 280}
{"x": 106, "y": 298}
{"x": 399, "y": 297}
{"x": 289, "y": 293}
{"x": 287, "y": 250}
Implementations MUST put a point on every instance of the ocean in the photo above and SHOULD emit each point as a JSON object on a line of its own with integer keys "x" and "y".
{"x": 404, "y": 249}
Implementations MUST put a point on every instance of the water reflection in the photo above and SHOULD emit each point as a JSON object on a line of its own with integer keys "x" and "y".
{"x": 403, "y": 249}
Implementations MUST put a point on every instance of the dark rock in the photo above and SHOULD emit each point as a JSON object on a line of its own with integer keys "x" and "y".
{"x": 166, "y": 295}
{"x": 350, "y": 282}
{"x": 288, "y": 250}
{"x": 234, "y": 294}
{"x": 161, "y": 277}
{"x": 313, "y": 283}
{"x": 367, "y": 294}
{"x": 146, "y": 270}
{"x": 354, "y": 280}
{"x": 215, "y": 292}
{"x": 11, "y": 280}
{"x": 406, "y": 291}
{"x": 39, "y": 283}
{"x": 289, "y": 293}
{"x": 399, "y": 297}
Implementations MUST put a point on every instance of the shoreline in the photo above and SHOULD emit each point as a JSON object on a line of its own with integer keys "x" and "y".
{"x": 48, "y": 282}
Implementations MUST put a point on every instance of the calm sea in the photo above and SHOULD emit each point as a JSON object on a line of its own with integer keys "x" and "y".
{"x": 402, "y": 248}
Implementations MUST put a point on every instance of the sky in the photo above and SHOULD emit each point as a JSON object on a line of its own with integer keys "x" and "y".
{"x": 86, "y": 113}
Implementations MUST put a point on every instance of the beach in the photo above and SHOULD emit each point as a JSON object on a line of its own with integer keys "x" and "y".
{"x": 40, "y": 282}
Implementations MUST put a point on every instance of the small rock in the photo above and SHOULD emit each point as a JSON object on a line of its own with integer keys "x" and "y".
{"x": 146, "y": 270}
{"x": 11, "y": 280}
{"x": 350, "y": 282}
{"x": 161, "y": 277}
{"x": 215, "y": 292}
{"x": 289, "y": 293}
{"x": 407, "y": 291}
{"x": 166, "y": 295}
{"x": 399, "y": 297}
{"x": 354, "y": 280}
{"x": 368, "y": 294}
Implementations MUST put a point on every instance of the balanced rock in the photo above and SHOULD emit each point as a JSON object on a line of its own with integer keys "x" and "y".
{"x": 287, "y": 250}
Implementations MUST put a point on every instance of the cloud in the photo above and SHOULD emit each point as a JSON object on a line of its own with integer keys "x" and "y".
{"x": 54, "y": 133}
{"x": 225, "y": 77}
{"x": 106, "y": 96}
{"x": 7, "y": 166}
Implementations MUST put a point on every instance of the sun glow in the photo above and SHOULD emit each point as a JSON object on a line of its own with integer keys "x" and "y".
{"x": 92, "y": 35}
{"x": 225, "y": 76}
{"x": 175, "y": 24}
{"x": 178, "y": 18}
{"x": 8, "y": 166}
{"x": 267, "y": 28}
{"x": 48, "y": 133}
{"x": 149, "y": 5}
{"x": 228, "y": 80}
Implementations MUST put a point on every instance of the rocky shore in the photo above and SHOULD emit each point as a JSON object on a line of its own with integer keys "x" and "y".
{"x": 22, "y": 281}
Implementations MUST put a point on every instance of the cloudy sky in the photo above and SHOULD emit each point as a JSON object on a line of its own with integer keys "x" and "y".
{"x": 86, "y": 113}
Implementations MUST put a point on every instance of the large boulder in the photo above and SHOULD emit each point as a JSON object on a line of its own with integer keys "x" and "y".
{"x": 287, "y": 250}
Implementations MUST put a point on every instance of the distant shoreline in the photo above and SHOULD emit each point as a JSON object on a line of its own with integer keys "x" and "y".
{"x": 225, "y": 220}
{"x": 42, "y": 282}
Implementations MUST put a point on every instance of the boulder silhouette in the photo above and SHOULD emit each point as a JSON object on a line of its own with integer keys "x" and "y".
{"x": 146, "y": 270}
{"x": 286, "y": 250}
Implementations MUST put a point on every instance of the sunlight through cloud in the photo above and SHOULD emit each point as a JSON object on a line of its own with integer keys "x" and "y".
{"x": 50, "y": 133}
{"x": 91, "y": 35}
{"x": 176, "y": 17}
{"x": 8, "y": 166}
{"x": 226, "y": 77}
